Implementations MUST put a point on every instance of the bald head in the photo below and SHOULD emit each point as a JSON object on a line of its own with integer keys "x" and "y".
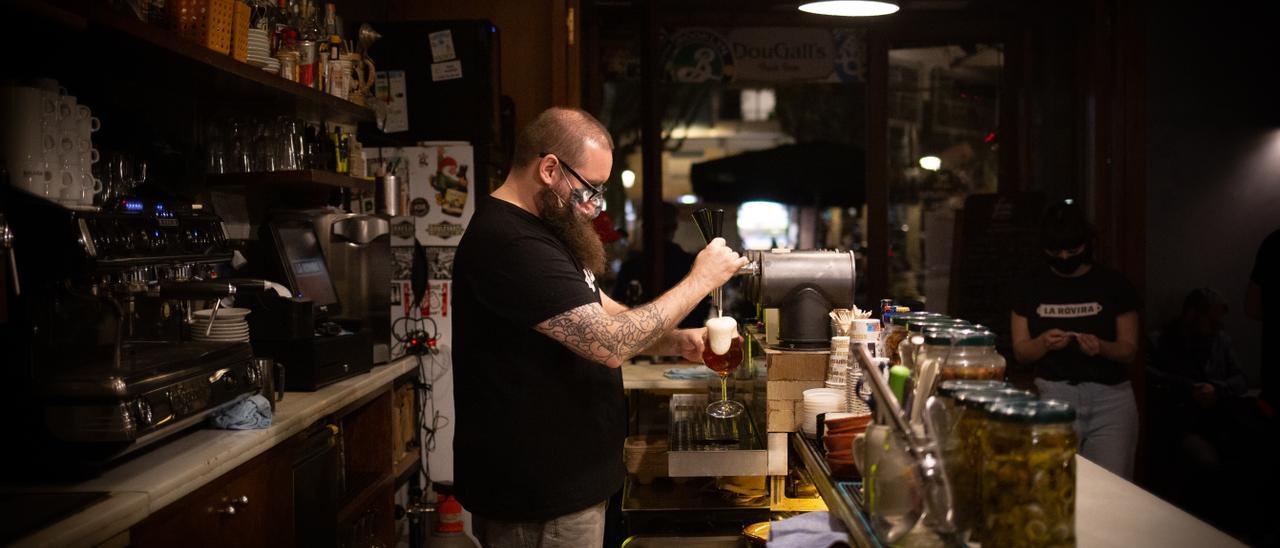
{"x": 562, "y": 131}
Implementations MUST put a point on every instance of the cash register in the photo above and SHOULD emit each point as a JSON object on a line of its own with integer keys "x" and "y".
{"x": 306, "y": 333}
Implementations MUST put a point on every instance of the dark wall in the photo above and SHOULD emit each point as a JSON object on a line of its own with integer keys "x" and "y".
{"x": 1213, "y": 157}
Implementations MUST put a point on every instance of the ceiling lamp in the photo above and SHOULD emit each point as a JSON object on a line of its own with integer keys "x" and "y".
{"x": 851, "y": 8}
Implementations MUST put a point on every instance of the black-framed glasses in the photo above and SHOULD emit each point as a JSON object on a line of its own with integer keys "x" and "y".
{"x": 592, "y": 191}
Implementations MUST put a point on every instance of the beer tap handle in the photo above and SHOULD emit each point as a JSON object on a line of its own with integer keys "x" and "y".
{"x": 6, "y": 241}
{"x": 711, "y": 223}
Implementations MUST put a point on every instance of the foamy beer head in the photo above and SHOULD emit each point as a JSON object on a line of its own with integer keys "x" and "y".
{"x": 720, "y": 332}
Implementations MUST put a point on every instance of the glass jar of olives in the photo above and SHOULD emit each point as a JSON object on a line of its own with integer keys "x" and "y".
{"x": 895, "y": 331}
{"x": 1029, "y": 474}
{"x": 962, "y": 451}
{"x": 947, "y": 390}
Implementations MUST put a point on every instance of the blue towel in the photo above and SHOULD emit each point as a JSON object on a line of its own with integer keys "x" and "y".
{"x": 810, "y": 530}
{"x": 689, "y": 373}
{"x": 252, "y": 413}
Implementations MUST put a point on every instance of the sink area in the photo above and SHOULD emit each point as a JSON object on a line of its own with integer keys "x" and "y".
{"x": 26, "y": 513}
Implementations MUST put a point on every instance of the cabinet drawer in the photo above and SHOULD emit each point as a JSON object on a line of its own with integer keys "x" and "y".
{"x": 248, "y": 506}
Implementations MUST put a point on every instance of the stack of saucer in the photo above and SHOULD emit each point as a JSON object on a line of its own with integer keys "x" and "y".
{"x": 228, "y": 326}
{"x": 260, "y": 49}
{"x": 273, "y": 66}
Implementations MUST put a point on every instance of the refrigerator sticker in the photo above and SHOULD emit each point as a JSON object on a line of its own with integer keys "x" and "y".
{"x": 451, "y": 70}
{"x": 391, "y": 91}
{"x": 435, "y": 188}
{"x": 402, "y": 230}
{"x": 441, "y": 45}
{"x": 402, "y": 262}
{"x": 440, "y": 262}
{"x": 436, "y": 302}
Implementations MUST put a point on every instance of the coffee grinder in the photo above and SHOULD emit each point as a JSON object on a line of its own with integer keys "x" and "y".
{"x": 304, "y": 333}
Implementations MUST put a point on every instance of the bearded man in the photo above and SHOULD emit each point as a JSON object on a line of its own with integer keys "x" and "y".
{"x": 538, "y": 347}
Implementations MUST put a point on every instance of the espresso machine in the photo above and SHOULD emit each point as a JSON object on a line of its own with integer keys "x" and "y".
{"x": 94, "y": 352}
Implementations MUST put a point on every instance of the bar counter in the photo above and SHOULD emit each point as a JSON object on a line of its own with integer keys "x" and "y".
{"x": 1110, "y": 510}
{"x": 146, "y": 483}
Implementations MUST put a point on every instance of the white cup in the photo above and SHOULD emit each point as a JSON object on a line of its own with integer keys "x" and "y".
{"x": 27, "y": 113}
{"x": 89, "y": 186}
{"x": 67, "y": 108}
{"x": 67, "y": 186}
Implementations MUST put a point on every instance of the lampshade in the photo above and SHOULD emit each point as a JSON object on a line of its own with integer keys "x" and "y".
{"x": 851, "y": 8}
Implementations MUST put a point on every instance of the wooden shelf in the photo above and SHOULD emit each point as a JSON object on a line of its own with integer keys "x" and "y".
{"x": 405, "y": 466}
{"x": 285, "y": 178}
{"x": 168, "y": 56}
{"x": 367, "y": 487}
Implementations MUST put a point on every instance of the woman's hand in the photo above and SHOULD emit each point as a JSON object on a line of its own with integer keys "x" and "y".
{"x": 1089, "y": 344}
{"x": 1054, "y": 339}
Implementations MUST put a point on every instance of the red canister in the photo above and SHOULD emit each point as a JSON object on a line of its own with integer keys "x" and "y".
{"x": 308, "y": 62}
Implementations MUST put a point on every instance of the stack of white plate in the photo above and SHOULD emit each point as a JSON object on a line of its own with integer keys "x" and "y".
{"x": 273, "y": 66}
{"x": 260, "y": 49}
{"x": 816, "y": 402}
{"x": 228, "y": 326}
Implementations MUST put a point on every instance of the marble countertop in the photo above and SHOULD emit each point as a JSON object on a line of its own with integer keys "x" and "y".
{"x": 148, "y": 482}
{"x": 1113, "y": 512}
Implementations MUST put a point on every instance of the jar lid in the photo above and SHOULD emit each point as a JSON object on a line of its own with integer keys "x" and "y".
{"x": 901, "y": 318}
{"x": 981, "y": 399}
{"x": 1033, "y": 412}
{"x": 949, "y": 388}
{"x": 960, "y": 336}
{"x": 920, "y": 325}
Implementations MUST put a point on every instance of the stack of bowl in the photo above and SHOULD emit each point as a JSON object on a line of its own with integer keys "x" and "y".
{"x": 816, "y": 402}
{"x": 839, "y": 431}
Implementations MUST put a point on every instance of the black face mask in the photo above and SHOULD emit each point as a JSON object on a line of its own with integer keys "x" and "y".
{"x": 1070, "y": 264}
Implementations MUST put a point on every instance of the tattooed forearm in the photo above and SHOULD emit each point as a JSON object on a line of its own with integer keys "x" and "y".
{"x": 609, "y": 339}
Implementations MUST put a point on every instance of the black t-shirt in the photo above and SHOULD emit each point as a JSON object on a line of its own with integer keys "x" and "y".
{"x": 1266, "y": 273}
{"x": 1086, "y": 304}
{"x": 539, "y": 429}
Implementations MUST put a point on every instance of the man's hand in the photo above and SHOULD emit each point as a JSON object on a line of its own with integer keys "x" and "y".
{"x": 1089, "y": 344}
{"x": 690, "y": 343}
{"x": 1204, "y": 394}
{"x": 716, "y": 264}
{"x": 1054, "y": 339}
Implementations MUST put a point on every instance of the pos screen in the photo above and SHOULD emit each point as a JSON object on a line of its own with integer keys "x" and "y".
{"x": 306, "y": 269}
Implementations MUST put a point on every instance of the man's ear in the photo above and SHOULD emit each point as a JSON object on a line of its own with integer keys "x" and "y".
{"x": 545, "y": 169}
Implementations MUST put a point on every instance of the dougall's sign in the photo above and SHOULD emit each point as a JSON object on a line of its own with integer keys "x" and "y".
{"x": 765, "y": 54}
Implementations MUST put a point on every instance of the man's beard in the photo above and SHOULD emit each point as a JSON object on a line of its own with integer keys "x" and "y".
{"x": 572, "y": 229}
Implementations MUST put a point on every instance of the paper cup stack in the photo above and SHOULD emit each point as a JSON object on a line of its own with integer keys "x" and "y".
{"x": 816, "y": 402}
{"x": 228, "y": 326}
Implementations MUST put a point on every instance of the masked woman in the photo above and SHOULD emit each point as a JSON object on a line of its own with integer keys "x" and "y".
{"x": 1077, "y": 323}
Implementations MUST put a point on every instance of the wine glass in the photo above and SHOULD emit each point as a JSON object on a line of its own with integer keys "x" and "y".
{"x": 724, "y": 363}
